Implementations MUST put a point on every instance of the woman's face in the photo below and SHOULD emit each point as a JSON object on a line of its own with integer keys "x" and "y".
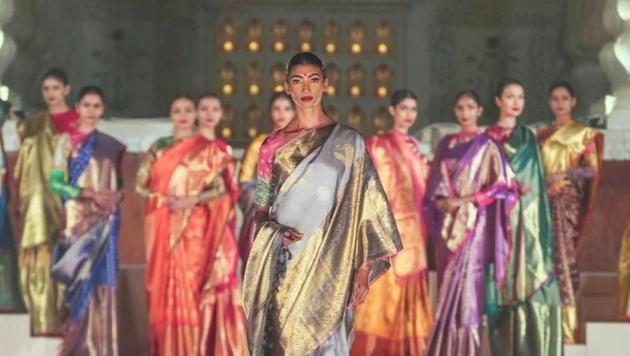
{"x": 404, "y": 113}
{"x": 512, "y": 101}
{"x": 183, "y": 114}
{"x": 281, "y": 113}
{"x": 561, "y": 102}
{"x": 467, "y": 112}
{"x": 90, "y": 109}
{"x": 306, "y": 85}
{"x": 54, "y": 91}
{"x": 210, "y": 112}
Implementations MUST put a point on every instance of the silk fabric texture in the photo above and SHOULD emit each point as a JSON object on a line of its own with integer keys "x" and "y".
{"x": 85, "y": 258}
{"x": 194, "y": 300}
{"x": 527, "y": 319}
{"x": 396, "y": 317}
{"x": 40, "y": 214}
{"x": 327, "y": 176}
{"x": 566, "y": 149}
{"x": 247, "y": 181}
{"x": 475, "y": 235}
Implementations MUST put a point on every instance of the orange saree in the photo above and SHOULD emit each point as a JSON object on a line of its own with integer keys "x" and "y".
{"x": 396, "y": 317}
{"x": 193, "y": 295}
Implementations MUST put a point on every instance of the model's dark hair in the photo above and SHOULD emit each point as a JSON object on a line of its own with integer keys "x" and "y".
{"x": 468, "y": 93}
{"x": 279, "y": 95}
{"x": 188, "y": 97}
{"x": 401, "y": 94}
{"x": 562, "y": 84}
{"x": 56, "y": 73}
{"x": 305, "y": 58}
{"x": 91, "y": 89}
{"x": 208, "y": 95}
{"x": 504, "y": 83}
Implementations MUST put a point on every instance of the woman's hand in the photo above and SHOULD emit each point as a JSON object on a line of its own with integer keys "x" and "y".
{"x": 106, "y": 200}
{"x": 524, "y": 189}
{"x": 360, "y": 287}
{"x": 178, "y": 204}
{"x": 449, "y": 205}
{"x": 290, "y": 236}
{"x": 556, "y": 177}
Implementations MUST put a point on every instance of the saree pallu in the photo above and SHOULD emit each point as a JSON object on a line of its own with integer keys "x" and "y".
{"x": 403, "y": 321}
{"x": 474, "y": 236}
{"x": 40, "y": 214}
{"x": 524, "y": 312}
{"x": 295, "y": 296}
{"x": 577, "y": 151}
{"x": 85, "y": 258}
{"x": 192, "y": 288}
{"x": 624, "y": 275}
{"x": 247, "y": 199}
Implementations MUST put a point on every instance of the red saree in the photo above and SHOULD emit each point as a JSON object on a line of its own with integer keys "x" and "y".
{"x": 192, "y": 288}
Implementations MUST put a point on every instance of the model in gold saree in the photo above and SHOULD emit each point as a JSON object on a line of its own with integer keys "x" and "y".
{"x": 325, "y": 228}
{"x": 524, "y": 311}
{"x": 40, "y": 209}
{"x": 572, "y": 157}
{"x": 281, "y": 112}
{"x": 396, "y": 317}
{"x": 192, "y": 287}
{"x": 87, "y": 175}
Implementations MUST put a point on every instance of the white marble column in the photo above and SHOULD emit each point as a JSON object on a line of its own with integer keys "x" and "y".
{"x": 615, "y": 59}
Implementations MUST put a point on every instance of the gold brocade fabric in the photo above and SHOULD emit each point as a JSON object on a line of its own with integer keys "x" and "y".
{"x": 401, "y": 297}
{"x": 329, "y": 177}
{"x": 40, "y": 209}
{"x": 624, "y": 275}
{"x": 247, "y": 171}
{"x": 565, "y": 148}
{"x": 192, "y": 287}
{"x": 40, "y": 213}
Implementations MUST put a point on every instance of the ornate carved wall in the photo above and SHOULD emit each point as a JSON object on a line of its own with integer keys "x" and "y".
{"x": 145, "y": 52}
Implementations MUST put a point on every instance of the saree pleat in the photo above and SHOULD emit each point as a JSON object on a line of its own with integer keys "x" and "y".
{"x": 194, "y": 306}
{"x": 247, "y": 200}
{"x": 85, "y": 257}
{"x": 403, "y": 321}
{"x": 569, "y": 149}
{"x": 525, "y": 313}
{"x": 40, "y": 213}
{"x": 295, "y": 297}
{"x": 475, "y": 236}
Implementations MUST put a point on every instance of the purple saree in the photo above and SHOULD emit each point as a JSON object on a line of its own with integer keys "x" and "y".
{"x": 474, "y": 236}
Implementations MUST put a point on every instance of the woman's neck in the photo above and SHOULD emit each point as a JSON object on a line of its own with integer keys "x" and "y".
{"x": 402, "y": 130}
{"x": 469, "y": 129}
{"x": 86, "y": 128}
{"x": 182, "y": 133}
{"x": 563, "y": 120}
{"x": 208, "y": 133}
{"x": 507, "y": 122}
{"x": 309, "y": 118}
{"x": 58, "y": 108}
